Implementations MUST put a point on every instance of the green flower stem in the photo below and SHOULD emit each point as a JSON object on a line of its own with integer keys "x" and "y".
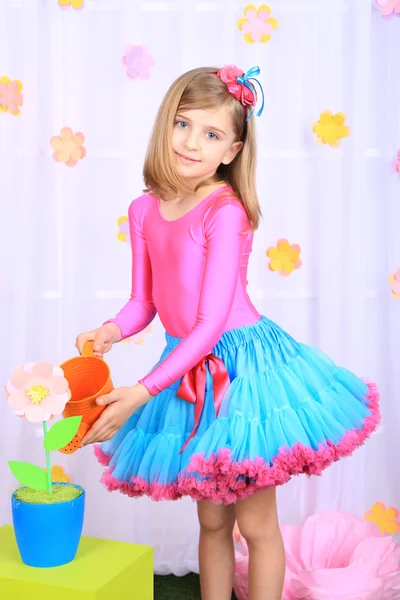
{"x": 49, "y": 482}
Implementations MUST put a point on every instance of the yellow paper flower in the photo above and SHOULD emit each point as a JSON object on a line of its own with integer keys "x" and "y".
{"x": 285, "y": 258}
{"x": 384, "y": 517}
{"x": 330, "y": 129}
{"x": 257, "y": 24}
{"x": 76, "y": 4}
{"x": 123, "y": 233}
{"x": 58, "y": 474}
{"x": 68, "y": 147}
{"x": 10, "y": 95}
{"x": 139, "y": 338}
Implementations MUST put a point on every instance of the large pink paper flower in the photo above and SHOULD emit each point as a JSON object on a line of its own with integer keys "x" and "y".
{"x": 333, "y": 555}
{"x": 37, "y": 391}
{"x": 388, "y": 8}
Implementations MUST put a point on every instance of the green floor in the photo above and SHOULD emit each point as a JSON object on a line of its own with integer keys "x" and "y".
{"x": 178, "y": 588}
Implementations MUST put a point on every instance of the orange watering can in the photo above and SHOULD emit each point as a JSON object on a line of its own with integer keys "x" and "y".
{"x": 89, "y": 378}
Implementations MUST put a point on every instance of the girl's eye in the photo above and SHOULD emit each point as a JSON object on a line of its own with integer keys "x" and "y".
{"x": 212, "y": 136}
{"x": 181, "y": 124}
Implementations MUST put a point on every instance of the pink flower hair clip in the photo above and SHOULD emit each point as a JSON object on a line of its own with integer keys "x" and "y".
{"x": 240, "y": 86}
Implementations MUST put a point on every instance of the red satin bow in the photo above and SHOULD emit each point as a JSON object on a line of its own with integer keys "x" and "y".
{"x": 193, "y": 387}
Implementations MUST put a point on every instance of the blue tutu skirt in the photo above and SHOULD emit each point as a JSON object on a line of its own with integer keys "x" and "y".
{"x": 287, "y": 409}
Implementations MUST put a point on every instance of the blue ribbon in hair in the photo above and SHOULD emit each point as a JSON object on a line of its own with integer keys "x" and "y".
{"x": 246, "y": 80}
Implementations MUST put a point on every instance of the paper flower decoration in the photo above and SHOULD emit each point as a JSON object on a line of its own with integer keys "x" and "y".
{"x": 394, "y": 281}
{"x": 384, "y": 517}
{"x": 330, "y": 129}
{"x": 388, "y": 8}
{"x": 10, "y": 95}
{"x": 257, "y": 24}
{"x": 333, "y": 555}
{"x": 76, "y": 4}
{"x": 59, "y": 475}
{"x": 68, "y": 147}
{"x": 285, "y": 258}
{"x": 397, "y": 163}
{"x": 37, "y": 391}
{"x": 123, "y": 233}
{"x": 138, "y": 338}
{"x": 137, "y": 61}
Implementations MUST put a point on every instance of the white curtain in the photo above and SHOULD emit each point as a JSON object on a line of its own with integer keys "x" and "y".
{"x": 63, "y": 270}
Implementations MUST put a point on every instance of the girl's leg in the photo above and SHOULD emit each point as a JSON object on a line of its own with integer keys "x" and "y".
{"x": 258, "y": 523}
{"x": 216, "y": 550}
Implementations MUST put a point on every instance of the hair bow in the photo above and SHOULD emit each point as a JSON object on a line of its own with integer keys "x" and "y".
{"x": 246, "y": 80}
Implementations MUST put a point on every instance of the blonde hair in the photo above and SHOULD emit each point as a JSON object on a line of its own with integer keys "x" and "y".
{"x": 201, "y": 89}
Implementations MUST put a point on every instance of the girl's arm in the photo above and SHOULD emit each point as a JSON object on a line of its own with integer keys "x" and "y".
{"x": 224, "y": 248}
{"x": 139, "y": 311}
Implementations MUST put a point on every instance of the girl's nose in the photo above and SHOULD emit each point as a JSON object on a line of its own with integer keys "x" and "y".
{"x": 192, "y": 142}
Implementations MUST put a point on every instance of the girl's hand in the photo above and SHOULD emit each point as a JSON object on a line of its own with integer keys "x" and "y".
{"x": 103, "y": 338}
{"x": 122, "y": 403}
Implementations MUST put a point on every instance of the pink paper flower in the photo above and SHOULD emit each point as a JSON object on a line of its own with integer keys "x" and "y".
{"x": 397, "y": 163}
{"x": 257, "y": 24}
{"x": 229, "y": 74}
{"x": 333, "y": 555}
{"x": 37, "y": 391}
{"x": 137, "y": 61}
{"x": 388, "y": 8}
{"x": 10, "y": 95}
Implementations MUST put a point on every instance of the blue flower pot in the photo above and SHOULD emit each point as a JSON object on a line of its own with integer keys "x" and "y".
{"x": 48, "y": 535}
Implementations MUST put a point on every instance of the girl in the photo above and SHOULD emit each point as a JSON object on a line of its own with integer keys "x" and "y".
{"x": 235, "y": 406}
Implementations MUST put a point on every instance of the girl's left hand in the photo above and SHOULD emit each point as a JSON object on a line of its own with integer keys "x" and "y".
{"x": 122, "y": 403}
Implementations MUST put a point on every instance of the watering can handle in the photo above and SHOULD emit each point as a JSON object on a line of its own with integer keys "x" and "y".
{"x": 87, "y": 349}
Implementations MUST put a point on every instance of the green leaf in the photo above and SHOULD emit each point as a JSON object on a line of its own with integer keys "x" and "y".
{"x": 29, "y": 475}
{"x": 61, "y": 433}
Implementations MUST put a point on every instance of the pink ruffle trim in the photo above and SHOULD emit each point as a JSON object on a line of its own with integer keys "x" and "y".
{"x": 226, "y": 481}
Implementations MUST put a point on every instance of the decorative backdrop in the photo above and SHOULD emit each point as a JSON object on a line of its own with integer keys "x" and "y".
{"x": 80, "y": 84}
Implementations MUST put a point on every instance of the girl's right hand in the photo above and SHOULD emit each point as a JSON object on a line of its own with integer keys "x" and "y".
{"x": 103, "y": 338}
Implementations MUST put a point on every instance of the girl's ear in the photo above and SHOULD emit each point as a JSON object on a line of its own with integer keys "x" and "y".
{"x": 232, "y": 152}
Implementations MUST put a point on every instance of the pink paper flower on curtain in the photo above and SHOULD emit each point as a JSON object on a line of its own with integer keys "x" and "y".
{"x": 10, "y": 95}
{"x": 388, "y": 8}
{"x": 137, "y": 61}
{"x": 333, "y": 555}
{"x": 37, "y": 391}
{"x": 76, "y": 4}
{"x": 394, "y": 281}
{"x": 257, "y": 24}
{"x": 397, "y": 163}
{"x": 68, "y": 147}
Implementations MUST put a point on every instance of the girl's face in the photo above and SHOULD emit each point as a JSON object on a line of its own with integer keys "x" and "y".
{"x": 202, "y": 140}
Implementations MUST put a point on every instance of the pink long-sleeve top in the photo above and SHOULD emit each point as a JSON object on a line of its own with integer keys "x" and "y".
{"x": 193, "y": 272}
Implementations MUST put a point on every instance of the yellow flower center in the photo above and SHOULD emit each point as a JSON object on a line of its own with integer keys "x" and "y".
{"x": 37, "y": 393}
